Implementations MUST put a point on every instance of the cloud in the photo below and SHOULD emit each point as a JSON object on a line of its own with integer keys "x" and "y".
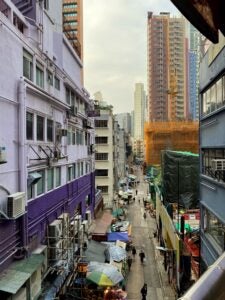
{"x": 115, "y": 44}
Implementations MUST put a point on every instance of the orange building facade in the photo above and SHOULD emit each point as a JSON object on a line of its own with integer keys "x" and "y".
{"x": 174, "y": 135}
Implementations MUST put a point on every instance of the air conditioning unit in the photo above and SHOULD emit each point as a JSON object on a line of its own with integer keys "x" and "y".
{"x": 56, "y": 251}
{"x": 65, "y": 217}
{"x": 74, "y": 228}
{"x": 85, "y": 226}
{"x": 88, "y": 217}
{"x": 78, "y": 218}
{"x": 55, "y": 231}
{"x": 80, "y": 236}
{"x": 20, "y": 295}
{"x": 16, "y": 205}
{"x": 218, "y": 164}
{"x": 35, "y": 284}
{"x": 43, "y": 250}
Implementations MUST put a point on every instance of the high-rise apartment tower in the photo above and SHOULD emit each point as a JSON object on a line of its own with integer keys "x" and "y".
{"x": 167, "y": 68}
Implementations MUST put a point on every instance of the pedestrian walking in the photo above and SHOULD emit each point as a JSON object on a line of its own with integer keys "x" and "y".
{"x": 129, "y": 262}
{"x": 134, "y": 252}
{"x": 139, "y": 200}
{"x": 136, "y": 192}
{"x": 134, "y": 199}
{"x": 142, "y": 256}
{"x": 144, "y": 215}
{"x": 144, "y": 291}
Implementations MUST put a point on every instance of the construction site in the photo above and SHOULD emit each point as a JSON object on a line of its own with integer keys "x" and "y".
{"x": 171, "y": 135}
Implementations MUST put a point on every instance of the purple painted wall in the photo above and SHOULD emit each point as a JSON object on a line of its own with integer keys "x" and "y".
{"x": 41, "y": 212}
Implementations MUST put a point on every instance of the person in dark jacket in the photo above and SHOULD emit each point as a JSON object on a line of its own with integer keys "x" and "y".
{"x": 133, "y": 252}
{"x": 129, "y": 262}
{"x": 144, "y": 291}
{"x": 142, "y": 256}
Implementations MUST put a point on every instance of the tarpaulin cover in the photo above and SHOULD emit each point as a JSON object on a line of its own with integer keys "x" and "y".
{"x": 180, "y": 178}
{"x": 120, "y": 236}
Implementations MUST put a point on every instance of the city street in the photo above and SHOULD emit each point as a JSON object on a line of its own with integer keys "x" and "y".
{"x": 152, "y": 272}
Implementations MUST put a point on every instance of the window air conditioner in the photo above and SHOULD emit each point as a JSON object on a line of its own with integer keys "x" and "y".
{"x": 85, "y": 226}
{"x": 218, "y": 164}
{"x": 35, "y": 284}
{"x": 43, "y": 250}
{"x": 20, "y": 295}
{"x": 88, "y": 216}
{"x": 16, "y": 205}
{"x": 55, "y": 231}
{"x": 78, "y": 218}
{"x": 56, "y": 251}
{"x": 65, "y": 217}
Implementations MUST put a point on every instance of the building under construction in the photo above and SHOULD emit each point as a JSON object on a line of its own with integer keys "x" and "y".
{"x": 174, "y": 135}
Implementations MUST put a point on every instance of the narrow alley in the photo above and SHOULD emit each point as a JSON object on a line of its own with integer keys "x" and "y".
{"x": 152, "y": 271}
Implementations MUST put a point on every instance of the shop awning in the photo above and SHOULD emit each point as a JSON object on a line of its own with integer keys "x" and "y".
{"x": 18, "y": 273}
{"x": 95, "y": 251}
{"x": 114, "y": 236}
{"x": 103, "y": 223}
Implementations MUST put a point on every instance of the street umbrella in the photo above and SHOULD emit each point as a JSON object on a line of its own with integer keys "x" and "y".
{"x": 104, "y": 274}
{"x": 117, "y": 253}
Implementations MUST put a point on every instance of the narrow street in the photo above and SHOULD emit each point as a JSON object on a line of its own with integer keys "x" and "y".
{"x": 152, "y": 272}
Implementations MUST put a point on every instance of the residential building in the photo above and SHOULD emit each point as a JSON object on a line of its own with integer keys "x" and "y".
{"x": 139, "y": 118}
{"x": 73, "y": 24}
{"x": 104, "y": 152}
{"x": 167, "y": 73}
{"x": 124, "y": 120}
{"x": 212, "y": 151}
{"x": 194, "y": 61}
{"x": 47, "y": 182}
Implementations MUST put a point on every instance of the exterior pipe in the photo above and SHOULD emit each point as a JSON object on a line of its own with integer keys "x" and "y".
{"x": 22, "y": 152}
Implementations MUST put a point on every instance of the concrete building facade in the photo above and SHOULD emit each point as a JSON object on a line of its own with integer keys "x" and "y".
{"x": 139, "y": 119}
{"x": 212, "y": 152}
{"x": 104, "y": 152}
{"x": 167, "y": 72}
{"x": 47, "y": 183}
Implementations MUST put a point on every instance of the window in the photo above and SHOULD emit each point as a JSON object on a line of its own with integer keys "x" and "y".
{"x": 46, "y": 4}
{"x": 67, "y": 96}
{"x": 101, "y": 156}
{"x": 49, "y": 130}
{"x": 208, "y": 155}
{"x": 101, "y": 172}
{"x": 70, "y": 14}
{"x": 40, "y": 128}
{"x": 78, "y": 169}
{"x": 215, "y": 228}
{"x": 41, "y": 183}
{"x": 75, "y": 171}
{"x": 39, "y": 75}
{"x": 57, "y": 83}
{"x": 213, "y": 97}
{"x": 69, "y": 5}
{"x": 73, "y": 138}
{"x": 29, "y": 126}
{"x": 57, "y": 176}
{"x": 101, "y": 123}
{"x": 50, "y": 179}
{"x": 70, "y": 172}
{"x": 27, "y": 65}
{"x": 82, "y": 168}
{"x": 88, "y": 200}
{"x": 103, "y": 188}
{"x": 50, "y": 78}
{"x": 101, "y": 140}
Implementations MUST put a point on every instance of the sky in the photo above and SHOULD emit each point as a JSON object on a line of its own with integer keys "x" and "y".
{"x": 115, "y": 46}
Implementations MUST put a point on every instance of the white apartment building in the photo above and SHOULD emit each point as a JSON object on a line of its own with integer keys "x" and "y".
{"x": 139, "y": 118}
{"x": 104, "y": 152}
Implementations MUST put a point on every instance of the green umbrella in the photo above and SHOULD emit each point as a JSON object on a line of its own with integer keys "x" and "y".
{"x": 105, "y": 277}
